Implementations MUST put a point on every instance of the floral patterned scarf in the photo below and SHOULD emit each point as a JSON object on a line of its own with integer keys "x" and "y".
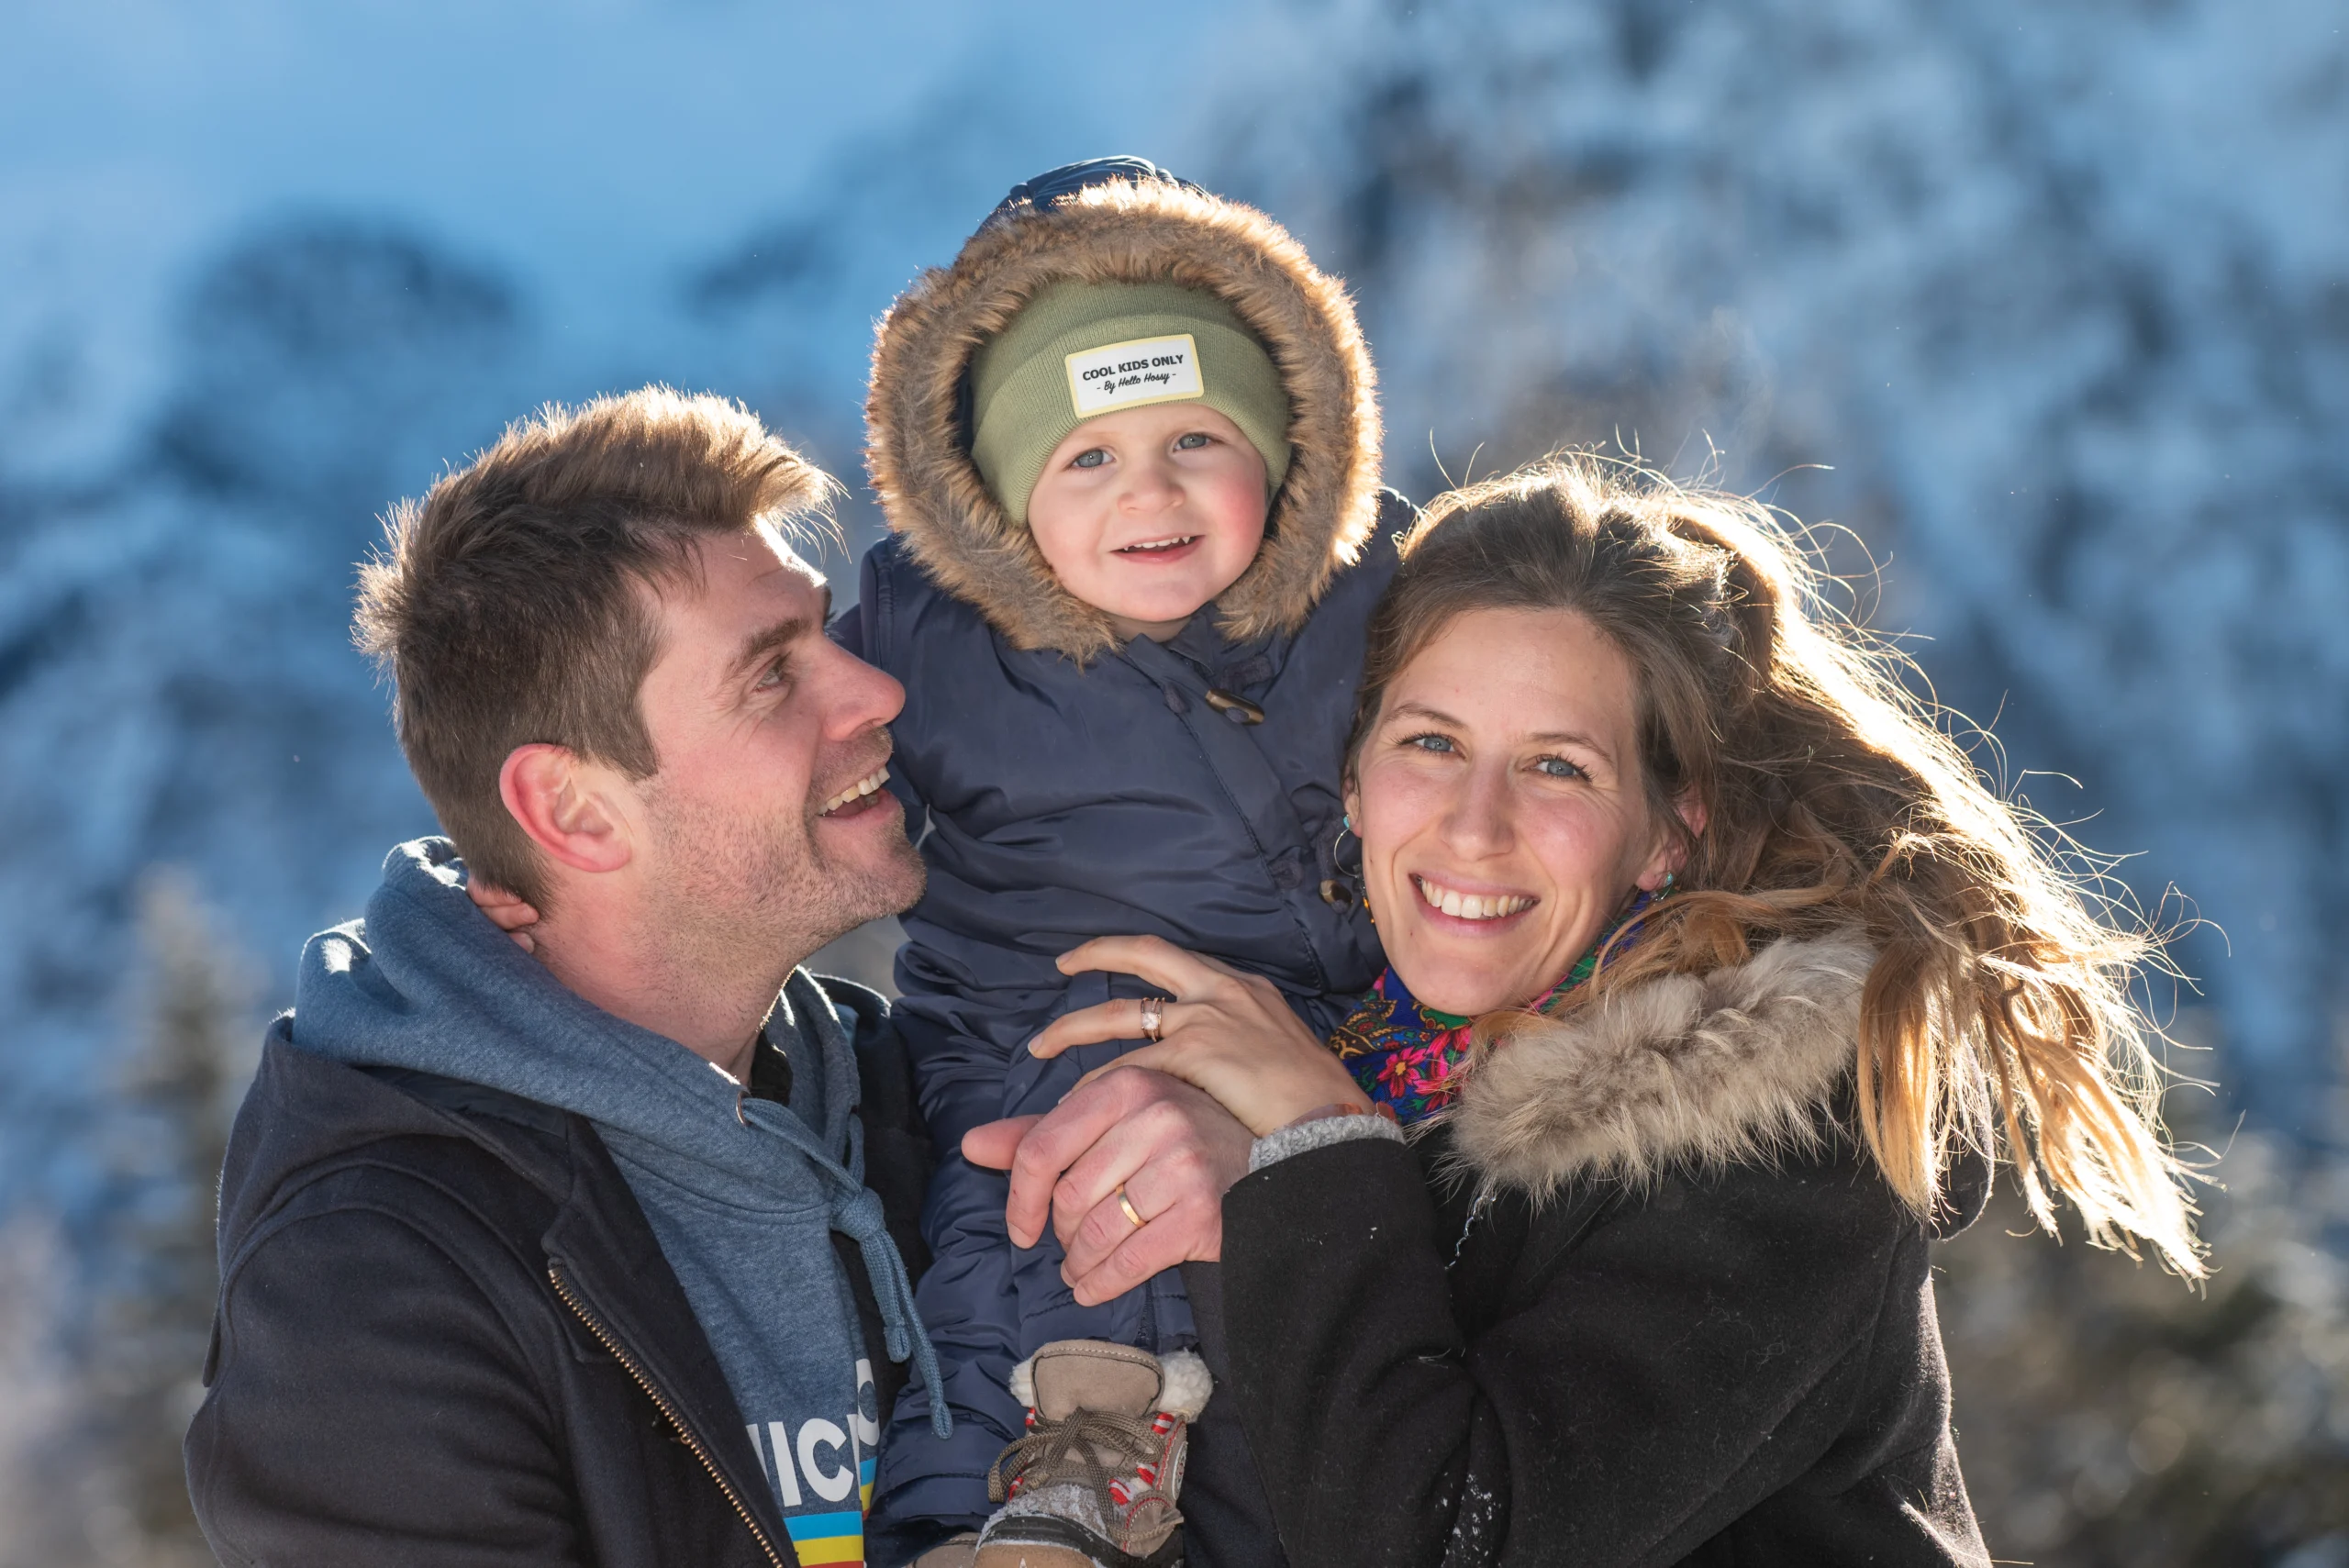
{"x": 1410, "y": 1059}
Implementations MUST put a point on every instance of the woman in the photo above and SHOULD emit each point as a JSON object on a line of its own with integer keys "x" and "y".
{"x": 1633, "y": 1267}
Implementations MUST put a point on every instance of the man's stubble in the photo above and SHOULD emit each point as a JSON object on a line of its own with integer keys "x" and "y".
{"x": 739, "y": 896}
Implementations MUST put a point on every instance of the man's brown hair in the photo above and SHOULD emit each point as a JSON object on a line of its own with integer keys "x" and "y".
{"x": 510, "y": 606}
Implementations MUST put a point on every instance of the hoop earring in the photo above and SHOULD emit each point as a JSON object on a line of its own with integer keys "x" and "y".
{"x": 1337, "y": 848}
{"x": 1345, "y": 890}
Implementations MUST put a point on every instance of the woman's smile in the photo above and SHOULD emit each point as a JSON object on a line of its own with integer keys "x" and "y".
{"x": 1449, "y": 900}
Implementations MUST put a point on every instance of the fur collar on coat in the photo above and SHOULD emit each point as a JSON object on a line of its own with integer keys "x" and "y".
{"x": 1686, "y": 1071}
{"x": 931, "y": 492}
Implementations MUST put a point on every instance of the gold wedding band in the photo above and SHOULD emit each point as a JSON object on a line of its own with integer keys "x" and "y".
{"x": 1128, "y": 1205}
{"x": 1153, "y": 1014}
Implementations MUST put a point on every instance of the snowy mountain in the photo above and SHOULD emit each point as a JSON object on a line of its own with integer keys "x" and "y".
{"x": 264, "y": 280}
{"x": 2062, "y": 297}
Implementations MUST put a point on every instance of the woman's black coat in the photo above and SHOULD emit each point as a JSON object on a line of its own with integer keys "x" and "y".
{"x": 1640, "y": 1299}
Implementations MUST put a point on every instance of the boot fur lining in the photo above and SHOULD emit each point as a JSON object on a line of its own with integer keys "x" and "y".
{"x": 1184, "y": 1384}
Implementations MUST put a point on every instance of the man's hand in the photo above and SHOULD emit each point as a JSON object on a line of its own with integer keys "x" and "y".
{"x": 505, "y": 911}
{"x": 1173, "y": 1150}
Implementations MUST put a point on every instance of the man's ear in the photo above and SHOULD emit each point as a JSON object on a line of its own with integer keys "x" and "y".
{"x": 566, "y": 805}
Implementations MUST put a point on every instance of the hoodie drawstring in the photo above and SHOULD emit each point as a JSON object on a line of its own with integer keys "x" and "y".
{"x": 860, "y": 1218}
{"x": 855, "y": 1212}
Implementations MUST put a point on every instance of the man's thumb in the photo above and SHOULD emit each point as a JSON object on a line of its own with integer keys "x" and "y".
{"x": 997, "y": 1143}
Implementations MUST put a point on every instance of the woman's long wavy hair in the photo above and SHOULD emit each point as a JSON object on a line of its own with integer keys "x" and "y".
{"x": 2000, "y": 1010}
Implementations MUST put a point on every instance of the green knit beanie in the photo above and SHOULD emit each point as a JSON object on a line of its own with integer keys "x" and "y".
{"x": 1078, "y": 350}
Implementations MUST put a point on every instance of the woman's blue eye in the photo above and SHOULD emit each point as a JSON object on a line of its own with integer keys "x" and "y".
{"x": 1191, "y": 441}
{"x": 1441, "y": 744}
{"x": 1092, "y": 457}
{"x": 1558, "y": 768}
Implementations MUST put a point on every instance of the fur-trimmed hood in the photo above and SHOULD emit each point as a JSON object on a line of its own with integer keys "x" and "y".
{"x": 1686, "y": 1071}
{"x": 1122, "y": 231}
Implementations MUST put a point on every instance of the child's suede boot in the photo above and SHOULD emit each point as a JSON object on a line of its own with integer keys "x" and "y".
{"x": 1094, "y": 1483}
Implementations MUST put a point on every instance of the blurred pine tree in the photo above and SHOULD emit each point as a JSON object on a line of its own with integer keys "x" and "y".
{"x": 143, "y": 1357}
{"x": 36, "y": 1378}
{"x": 2106, "y": 1415}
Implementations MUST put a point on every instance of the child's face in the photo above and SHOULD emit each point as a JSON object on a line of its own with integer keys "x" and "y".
{"x": 1150, "y": 513}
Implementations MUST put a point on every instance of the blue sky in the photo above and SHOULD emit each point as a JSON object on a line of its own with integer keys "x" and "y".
{"x": 593, "y": 152}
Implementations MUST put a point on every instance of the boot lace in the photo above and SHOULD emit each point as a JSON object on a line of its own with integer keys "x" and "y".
{"x": 1070, "y": 1450}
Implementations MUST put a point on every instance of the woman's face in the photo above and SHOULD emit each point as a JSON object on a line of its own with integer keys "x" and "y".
{"x": 1501, "y": 808}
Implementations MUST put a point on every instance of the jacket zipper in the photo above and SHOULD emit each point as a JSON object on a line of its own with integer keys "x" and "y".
{"x": 661, "y": 1402}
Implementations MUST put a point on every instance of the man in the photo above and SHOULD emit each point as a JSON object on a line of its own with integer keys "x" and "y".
{"x": 567, "y": 1254}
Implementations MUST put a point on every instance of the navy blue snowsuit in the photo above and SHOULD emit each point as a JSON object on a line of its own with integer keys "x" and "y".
{"x": 1073, "y": 785}
{"x": 1063, "y": 803}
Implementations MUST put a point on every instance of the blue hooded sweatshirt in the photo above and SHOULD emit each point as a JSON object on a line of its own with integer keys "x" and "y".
{"x": 743, "y": 1194}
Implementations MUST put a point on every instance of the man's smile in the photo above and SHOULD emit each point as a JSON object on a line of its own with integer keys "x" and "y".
{"x": 852, "y": 800}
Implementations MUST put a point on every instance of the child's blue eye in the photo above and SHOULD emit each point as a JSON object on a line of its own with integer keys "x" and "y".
{"x": 1192, "y": 440}
{"x": 1092, "y": 457}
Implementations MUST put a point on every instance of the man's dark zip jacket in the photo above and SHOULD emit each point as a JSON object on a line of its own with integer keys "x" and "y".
{"x": 447, "y": 1334}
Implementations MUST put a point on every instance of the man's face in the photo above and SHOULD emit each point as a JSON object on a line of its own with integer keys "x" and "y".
{"x": 767, "y": 832}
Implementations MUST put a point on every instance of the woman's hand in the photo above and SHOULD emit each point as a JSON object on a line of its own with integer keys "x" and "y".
{"x": 505, "y": 910}
{"x": 1163, "y": 1146}
{"x": 1228, "y": 1033}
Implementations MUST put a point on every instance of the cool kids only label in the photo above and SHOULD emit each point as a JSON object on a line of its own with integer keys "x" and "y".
{"x": 825, "y": 1462}
{"x": 1127, "y": 375}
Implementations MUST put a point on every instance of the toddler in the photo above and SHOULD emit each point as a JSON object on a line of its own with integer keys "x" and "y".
{"x": 1127, "y": 450}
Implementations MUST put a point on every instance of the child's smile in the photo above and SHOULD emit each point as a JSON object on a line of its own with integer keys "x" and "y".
{"x": 1160, "y": 551}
